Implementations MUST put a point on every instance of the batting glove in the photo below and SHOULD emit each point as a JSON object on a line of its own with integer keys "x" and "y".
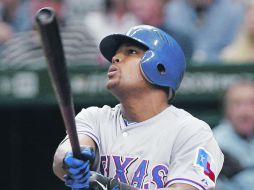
{"x": 78, "y": 171}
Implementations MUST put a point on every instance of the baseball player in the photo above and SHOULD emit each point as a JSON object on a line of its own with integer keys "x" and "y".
{"x": 144, "y": 142}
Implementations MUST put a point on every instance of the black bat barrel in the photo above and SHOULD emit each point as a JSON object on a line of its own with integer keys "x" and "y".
{"x": 53, "y": 48}
{"x": 51, "y": 41}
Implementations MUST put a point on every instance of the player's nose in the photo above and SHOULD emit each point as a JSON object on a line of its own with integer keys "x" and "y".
{"x": 117, "y": 58}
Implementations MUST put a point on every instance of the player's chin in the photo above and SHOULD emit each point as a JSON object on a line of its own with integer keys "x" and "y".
{"x": 111, "y": 84}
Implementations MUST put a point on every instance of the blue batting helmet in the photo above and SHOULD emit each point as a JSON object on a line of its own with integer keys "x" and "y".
{"x": 163, "y": 64}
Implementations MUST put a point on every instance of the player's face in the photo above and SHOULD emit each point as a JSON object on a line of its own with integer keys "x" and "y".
{"x": 124, "y": 74}
{"x": 240, "y": 109}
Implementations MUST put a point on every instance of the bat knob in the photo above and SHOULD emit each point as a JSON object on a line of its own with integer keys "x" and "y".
{"x": 45, "y": 15}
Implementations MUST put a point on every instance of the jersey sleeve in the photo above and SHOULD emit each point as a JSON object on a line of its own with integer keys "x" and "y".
{"x": 87, "y": 123}
{"x": 196, "y": 157}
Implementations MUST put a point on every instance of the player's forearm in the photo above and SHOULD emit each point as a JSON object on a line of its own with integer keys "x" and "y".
{"x": 58, "y": 158}
{"x": 65, "y": 147}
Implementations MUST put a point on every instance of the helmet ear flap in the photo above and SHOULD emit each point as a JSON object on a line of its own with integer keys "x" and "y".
{"x": 146, "y": 65}
{"x": 153, "y": 69}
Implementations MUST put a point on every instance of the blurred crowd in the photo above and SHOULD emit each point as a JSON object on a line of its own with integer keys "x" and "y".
{"x": 235, "y": 135}
{"x": 209, "y": 31}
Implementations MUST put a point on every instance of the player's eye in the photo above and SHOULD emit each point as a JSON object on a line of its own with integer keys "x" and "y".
{"x": 131, "y": 51}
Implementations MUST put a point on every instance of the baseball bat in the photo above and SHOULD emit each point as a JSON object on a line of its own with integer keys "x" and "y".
{"x": 48, "y": 28}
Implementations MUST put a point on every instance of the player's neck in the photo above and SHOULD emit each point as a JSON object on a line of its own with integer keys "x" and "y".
{"x": 140, "y": 109}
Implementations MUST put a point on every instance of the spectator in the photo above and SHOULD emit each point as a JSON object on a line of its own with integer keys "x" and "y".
{"x": 235, "y": 136}
{"x": 5, "y": 33}
{"x": 211, "y": 24}
{"x": 25, "y": 50}
{"x": 242, "y": 48}
{"x": 152, "y": 12}
{"x": 13, "y": 19}
{"x": 115, "y": 18}
{"x": 16, "y": 14}
{"x": 76, "y": 10}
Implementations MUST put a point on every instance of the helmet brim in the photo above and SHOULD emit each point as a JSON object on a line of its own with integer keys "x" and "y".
{"x": 109, "y": 45}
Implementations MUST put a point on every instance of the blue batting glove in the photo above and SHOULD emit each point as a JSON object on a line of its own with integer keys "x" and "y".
{"x": 78, "y": 171}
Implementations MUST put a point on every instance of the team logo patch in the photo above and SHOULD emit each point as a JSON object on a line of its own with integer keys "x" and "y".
{"x": 203, "y": 160}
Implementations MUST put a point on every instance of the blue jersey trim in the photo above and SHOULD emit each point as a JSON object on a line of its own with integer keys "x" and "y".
{"x": 184, "y": 179}
{"x": 90, "y": 134}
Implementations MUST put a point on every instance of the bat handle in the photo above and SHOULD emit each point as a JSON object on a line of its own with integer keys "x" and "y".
{"x": 69, "y": 121}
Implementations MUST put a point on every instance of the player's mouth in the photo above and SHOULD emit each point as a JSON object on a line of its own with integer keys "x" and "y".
{"x": 112, "y": 71}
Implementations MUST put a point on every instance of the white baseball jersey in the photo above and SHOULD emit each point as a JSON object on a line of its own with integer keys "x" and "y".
{"x": 171, "y": 147}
